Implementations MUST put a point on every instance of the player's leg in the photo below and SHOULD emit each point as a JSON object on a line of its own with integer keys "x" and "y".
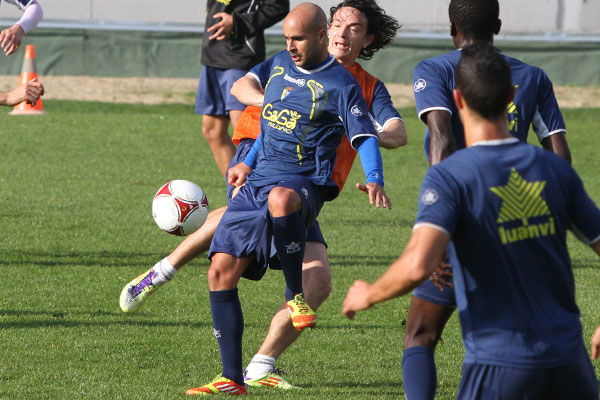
{"x": 228, "y": 322}
{"x": 430, "y": 308}
{"x": 424, "y": 326}
{"x": 215, "y": 131}
{"x": 292, "y": 215}
{"x": 289, "y": 234}
{"x": 136, "y": 292}
{"x": 240, "y": 247}
{"x": 316, "y": 280}
{"x": 216, "y": 104}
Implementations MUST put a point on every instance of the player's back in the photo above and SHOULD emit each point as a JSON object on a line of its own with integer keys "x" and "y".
{"x": 534, "y": 104}
{"x": 514, "y": 285}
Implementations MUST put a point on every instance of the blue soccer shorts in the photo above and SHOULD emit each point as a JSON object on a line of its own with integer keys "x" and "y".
{"x": 313, "y": 234}
{"x": 428, "y": 292}
{"x": 213, "y": 96}
{"x": 246, "y": 228}
{"x": 574, "y": 380}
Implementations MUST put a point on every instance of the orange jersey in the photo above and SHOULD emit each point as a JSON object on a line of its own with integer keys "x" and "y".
{"x": 248, "y": 126}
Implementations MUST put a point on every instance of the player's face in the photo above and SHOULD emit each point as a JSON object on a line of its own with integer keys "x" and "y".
{"x": 348, "y": 35}
{"x": 304, "y": 45}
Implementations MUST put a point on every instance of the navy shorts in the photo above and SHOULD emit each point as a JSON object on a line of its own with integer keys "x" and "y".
{"x": 313, "y": 234}
{"x": 213, "y": 96}
{"x": 246, "y": 228}
{"x": 427, "y": 291}
{"x": 574, "y": 380}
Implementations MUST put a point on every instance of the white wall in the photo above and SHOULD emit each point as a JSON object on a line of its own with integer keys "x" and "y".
{"x": 518, "y": 16}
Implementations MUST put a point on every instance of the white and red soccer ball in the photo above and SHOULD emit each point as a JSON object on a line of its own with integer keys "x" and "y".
{"x": 180, "y": 207}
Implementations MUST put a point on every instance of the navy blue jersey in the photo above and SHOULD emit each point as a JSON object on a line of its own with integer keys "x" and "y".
{"x": 305, "y": 114}
{"x": 506, "y": 206}
{"x": 534, "y": 104}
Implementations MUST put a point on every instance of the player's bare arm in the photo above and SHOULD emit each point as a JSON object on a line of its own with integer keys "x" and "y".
{"x": 393, "y": 135}
{"x": 28, "y": 91}
{"x": 420, "y": 258}
{"x": 557, "y": 144}
{"x": 221, "y": 29}
{"x": 596, "y": 344}
{"x": 442, "y": 142}
{"x": 248, "y": 91}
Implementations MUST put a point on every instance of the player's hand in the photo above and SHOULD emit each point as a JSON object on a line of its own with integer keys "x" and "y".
{"x": 356, "y": 299}
{"x": 28, "y": 91}
{"x": 10, "y": 39}
{"x": 596, "y": 344}
{"x": 376, "y": 194}
{"x": 221, "y": 29}
{"x": 442, "y": 277}
{"x": 236, "y": 175}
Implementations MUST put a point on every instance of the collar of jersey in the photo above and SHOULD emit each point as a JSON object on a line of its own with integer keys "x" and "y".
{"x": 496, "y": 142}
{"x": 318, "y": 67}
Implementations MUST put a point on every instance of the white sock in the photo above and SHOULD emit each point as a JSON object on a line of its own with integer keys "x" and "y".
{"x": 164, "y": 272}
{"x": 259, "y": 366}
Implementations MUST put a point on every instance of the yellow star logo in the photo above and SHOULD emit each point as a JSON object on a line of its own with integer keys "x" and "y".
{"x": 521, "y": 199}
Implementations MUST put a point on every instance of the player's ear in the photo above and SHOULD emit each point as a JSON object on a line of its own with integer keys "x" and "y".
{"x": 458, "y": 99}
{"x": 323, "y": 35}
{"x": 369, "y": 40}
{"x": 453, "y": 31}
{"x": 498, "y": 26}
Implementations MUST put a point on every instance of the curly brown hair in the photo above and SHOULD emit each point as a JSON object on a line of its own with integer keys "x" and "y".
{"x": 383, "y": 27}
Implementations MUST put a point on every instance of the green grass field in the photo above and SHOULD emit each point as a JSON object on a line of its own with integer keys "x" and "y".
{"x": 76, "y": 187}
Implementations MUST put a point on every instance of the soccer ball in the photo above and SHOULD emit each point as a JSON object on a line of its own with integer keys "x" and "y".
{"x": 179, "y": 207}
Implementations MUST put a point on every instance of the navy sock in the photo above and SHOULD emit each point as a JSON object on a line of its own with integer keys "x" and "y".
{"x": 289, "y": 235}
{"x": 418, "y": 373}
{"x": 228, "y": 328}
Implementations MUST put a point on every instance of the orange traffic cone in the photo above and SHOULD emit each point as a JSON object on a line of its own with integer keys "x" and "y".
{"x": 28, "y": 72}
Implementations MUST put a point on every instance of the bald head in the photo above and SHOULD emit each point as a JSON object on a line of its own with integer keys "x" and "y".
{"x": 309, "y": 15}
{"x": 305, "y": 31}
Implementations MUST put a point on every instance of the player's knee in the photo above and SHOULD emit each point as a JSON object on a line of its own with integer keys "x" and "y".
{"x": 283, "y": 201}
{"x": 221, "y": 276}
{"x": 419, "y": 333}
{"x": 214, "y": 133}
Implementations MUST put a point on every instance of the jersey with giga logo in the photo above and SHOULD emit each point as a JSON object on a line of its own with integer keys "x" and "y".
{"x": 506, "y": 206}
{"x": 534, "y": 104}
{"x": 305, "y": 114}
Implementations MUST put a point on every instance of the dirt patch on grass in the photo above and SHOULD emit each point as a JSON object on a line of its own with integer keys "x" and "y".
{"x": 182, "y": 90}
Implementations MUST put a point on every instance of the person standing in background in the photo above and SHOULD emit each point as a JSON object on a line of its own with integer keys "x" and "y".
{"x": 233, "y": 43}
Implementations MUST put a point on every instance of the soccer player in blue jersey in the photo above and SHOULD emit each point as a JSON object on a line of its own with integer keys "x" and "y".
{"x": 534, "y": 106}
{"x": 506, "y": 205}
{"x": 309, "y": 102}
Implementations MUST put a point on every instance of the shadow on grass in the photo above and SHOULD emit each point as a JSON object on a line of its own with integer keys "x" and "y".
{"x": 360, "y": 260}
{"x": 127, "y": 259}
{"x": 58, "y": 319}
{"x": 82, "y": 258}
{"x": 395, "y": 387}
{"x": 591, "y": 263}
{"x": 21, "y": 319}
